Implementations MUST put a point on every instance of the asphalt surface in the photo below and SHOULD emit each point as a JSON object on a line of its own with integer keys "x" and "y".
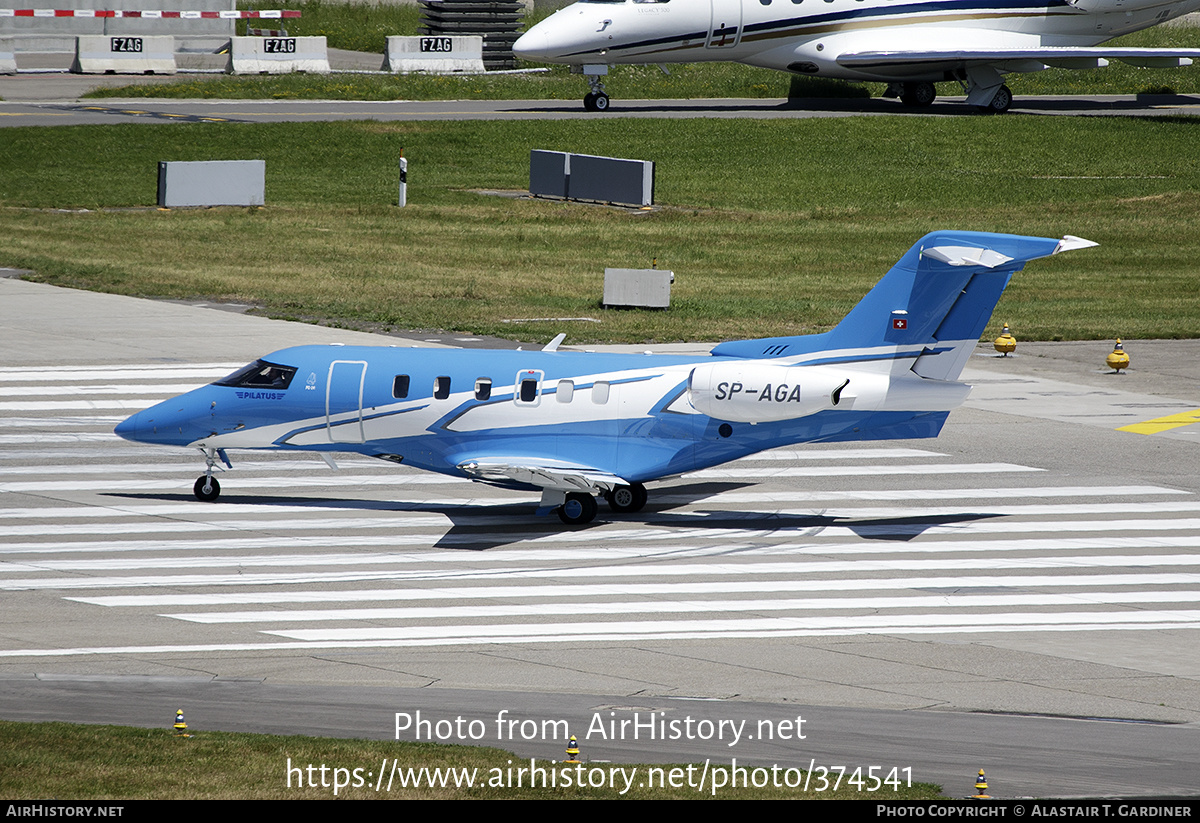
{"x": 939, "y": 605}
{"x": 55, "y": 100}
{"x": 1018, "y": 595}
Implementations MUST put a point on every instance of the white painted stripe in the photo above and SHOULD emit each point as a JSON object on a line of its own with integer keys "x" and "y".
{"x": 599, "y": 545}
{"x": 687, "y": 634}
{"x": 952, "y": 585}
{"x": 639, "y": 571}
{"x": 330, "y": 480}
{"x": 133, "y": 372}
{"x": 912, "y": 494}
{"x": 841, "y": 454}
{"x": 101, "y": 421}
{"x": 66, "y": 437}
{"x": 634, "y": 628}
{"x": 764, "y": 473}
{"x": 76, "y": 391}
{"x": 915, "y": 525}
{"x": 194, "y": 460}
{"x": 80, "y": 405}
{"x": 630, "y": 607}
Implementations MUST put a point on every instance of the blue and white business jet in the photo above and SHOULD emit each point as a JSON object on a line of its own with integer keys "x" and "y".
{"x": 578, "y": 425}
{"x": 909, "y": 44}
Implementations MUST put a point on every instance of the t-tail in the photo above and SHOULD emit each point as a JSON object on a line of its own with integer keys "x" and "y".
{"x": 928, "y": 311}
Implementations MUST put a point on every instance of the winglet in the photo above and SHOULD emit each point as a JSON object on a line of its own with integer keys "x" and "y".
{"x": 553, "y": 344}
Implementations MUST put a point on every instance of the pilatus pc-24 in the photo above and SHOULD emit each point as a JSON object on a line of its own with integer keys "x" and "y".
{"x": 909, "y": 44}
{"x": 578, "y": 425}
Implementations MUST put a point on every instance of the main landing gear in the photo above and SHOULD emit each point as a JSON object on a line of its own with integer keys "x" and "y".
{"x": 1000, "y": 102}
{"x": 580, "y": 508}
{"x": 918, "y": 95}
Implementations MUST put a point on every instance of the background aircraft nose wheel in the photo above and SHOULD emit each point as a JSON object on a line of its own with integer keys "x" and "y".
{"x": 207, "y": 488}
{"x": 596, "y": 101}
{"x": 578, "y": 509}
{"x": 1000, "y": 102}
{"x": 627, "y": 498}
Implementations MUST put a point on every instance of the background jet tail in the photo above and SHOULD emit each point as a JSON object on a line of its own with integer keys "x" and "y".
{"x": 932, "y": 305}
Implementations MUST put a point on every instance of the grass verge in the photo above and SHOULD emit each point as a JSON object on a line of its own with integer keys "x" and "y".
{"x": 72, "y": 762}
{"x": 772, "y": 227}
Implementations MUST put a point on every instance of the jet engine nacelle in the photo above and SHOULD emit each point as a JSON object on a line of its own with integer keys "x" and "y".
{"x": 756, "y": 392}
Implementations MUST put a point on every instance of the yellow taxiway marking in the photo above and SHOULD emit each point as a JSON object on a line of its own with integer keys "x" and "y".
{"x": 1162, "y": 424}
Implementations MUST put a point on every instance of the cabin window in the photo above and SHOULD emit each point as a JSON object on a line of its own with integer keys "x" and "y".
{"x": 400, "y": 387}
{"x": 260, "y": 375}
{"x": 566, "y": 391}
{"x": 600, "y": 392}
{"x": 483, "y": 388}
{"x": 527, "y": 389}
{"x": 441, "y": 387}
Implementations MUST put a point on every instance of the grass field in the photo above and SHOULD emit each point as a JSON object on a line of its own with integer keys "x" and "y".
{"x": 71, "y": 762}
{"x": 772, "y": 227}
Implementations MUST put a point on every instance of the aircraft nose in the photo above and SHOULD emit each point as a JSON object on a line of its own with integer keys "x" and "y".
{"x": 129, "y": 428}
{"x": 533, "y": 44}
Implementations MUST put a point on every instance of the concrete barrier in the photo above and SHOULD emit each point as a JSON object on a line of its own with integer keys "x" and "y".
{"x": 124, "y": 54}
{"x": 278, "y": 55}
{"x": 8, "y": 61}
{"x": 438, "y": 54}
{"x": 212, "y": 183}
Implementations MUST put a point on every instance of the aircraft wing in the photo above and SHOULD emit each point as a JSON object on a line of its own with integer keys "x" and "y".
{"x": 1066, "y": 57}
{"x": 553, "y": 475}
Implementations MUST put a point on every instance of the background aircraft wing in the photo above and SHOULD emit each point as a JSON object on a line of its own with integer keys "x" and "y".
{"x": 1066, "y": 57}
{"x": 555, "y": 475}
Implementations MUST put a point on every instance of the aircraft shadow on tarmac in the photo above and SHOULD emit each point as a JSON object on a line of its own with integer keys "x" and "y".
{"x": 879, "y": 105}
{"x": 479, "y": 528}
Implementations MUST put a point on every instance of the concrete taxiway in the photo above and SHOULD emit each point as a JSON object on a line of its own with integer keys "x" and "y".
{"x": 1036, "y": 562}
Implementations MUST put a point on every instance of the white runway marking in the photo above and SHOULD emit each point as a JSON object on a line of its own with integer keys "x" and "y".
{"x": 379, "y": 556}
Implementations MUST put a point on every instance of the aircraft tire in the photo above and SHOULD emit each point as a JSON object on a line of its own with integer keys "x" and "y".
{"x": 579, "y": 509}
{"x": 627, "y": 498}
{"x": 211, "y": 493}
{"x": 596, "y": 102}
{"x": 918, "y": 94}
{"x": 1000, "y": 103}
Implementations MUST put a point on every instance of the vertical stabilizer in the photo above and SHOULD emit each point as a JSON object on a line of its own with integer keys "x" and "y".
{"x": 932, "y": 305}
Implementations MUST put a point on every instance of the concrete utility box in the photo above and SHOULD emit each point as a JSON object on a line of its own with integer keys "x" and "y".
{"x": 588, "y": 177}
{"x": 212, "y": 183}
{"x": 124, "y": 54}
{"x": 441, "y": 54}
{"x": 638, "y": 288}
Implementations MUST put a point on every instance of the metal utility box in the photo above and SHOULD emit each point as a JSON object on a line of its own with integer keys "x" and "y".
{"x": 638, "y": 288}
{"x": 212, "y": 183}
{"x": 588, "y": 177}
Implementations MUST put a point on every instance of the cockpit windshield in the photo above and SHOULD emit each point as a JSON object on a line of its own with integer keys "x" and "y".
{"x": 260, "y": 375}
